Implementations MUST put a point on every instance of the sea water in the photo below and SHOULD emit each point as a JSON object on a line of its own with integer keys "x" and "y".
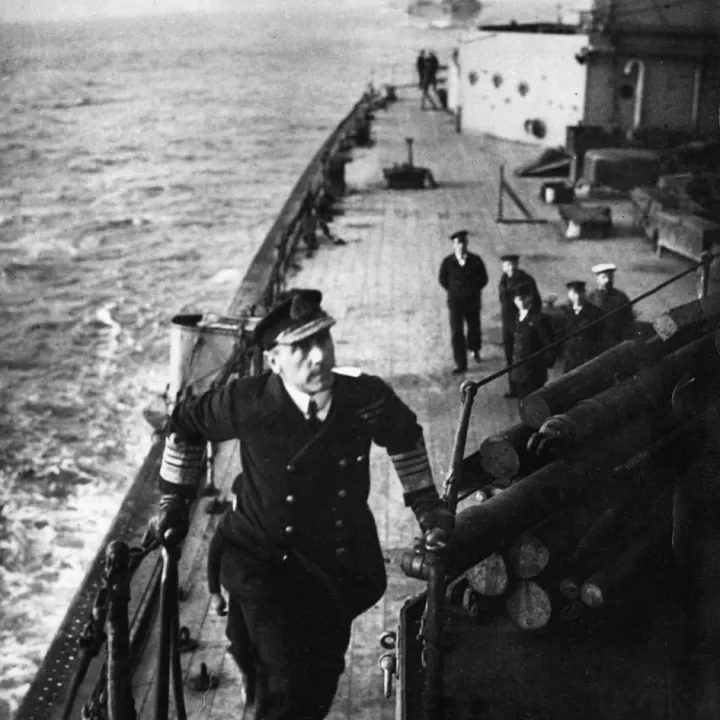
{"x": 142, "y": 161}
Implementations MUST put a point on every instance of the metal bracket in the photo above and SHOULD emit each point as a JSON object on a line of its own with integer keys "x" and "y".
{"x": 505, "y": 187}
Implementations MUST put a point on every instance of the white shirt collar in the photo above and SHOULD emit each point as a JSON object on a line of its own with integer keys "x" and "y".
{"x": 302, "y": 401}
{"x": 461, "y": 261}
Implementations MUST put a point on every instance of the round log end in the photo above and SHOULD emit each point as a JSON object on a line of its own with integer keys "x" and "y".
{"x": 591, "y": 595}
{"x": 534, "y": 411}
{"x": 499, "y": 458}
{"x": 489, "y": 577}
{"x": 528, "y": 606}
{"x": 528, "y": 556}
{"x": 569, "y": 589}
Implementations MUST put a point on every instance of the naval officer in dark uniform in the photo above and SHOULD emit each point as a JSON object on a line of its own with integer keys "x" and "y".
{"x": 532, "y": 334}
{"x": 463, "y": 275}
{"x": 512, "y": 276}
{"x": 580, "y": 313}
{"x": 301, "y": 553}
{"x": 607, "y": 297}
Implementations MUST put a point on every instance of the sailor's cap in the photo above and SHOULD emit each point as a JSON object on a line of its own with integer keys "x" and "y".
{"x": 460, "y": 235}
{"x": 293, "y": 319}
{"x": 509, "y": 257}
{"x": 604, "y": 268}
{"x": 576, "y": 285}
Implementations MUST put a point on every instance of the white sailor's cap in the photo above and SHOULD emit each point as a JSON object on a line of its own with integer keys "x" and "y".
{"x": 603, "y": 268}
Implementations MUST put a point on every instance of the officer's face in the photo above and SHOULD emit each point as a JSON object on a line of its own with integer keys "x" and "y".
{"x": 604, "y": 280}
{"x": 508, "y": 267}
{"x": 306, "y": 365}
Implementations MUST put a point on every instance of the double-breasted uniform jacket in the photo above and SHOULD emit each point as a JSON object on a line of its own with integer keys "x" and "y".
{"x": 585, "y": 346}
{"x": 463, "y": 283}
{"x": 302, "y": 500}
{"x": 506, "y": 288}
{"x": 532, "y": 334}
{"x": 617, "y": 327}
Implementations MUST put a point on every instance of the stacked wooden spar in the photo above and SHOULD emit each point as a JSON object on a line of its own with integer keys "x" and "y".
{"x": 581, "y": 513}
{"x": 613, "y": 387}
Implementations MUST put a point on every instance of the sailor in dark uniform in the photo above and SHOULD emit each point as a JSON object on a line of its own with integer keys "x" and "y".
{"x": 607, "y": 297}
{"x": 578, "y": 314}
{"x": 301, "y": 556}
{"x": 463, "y": 275}
{"x": 532, "y": 334}
{"x": 420, "y": 67}
{"x": 511, "y": 277}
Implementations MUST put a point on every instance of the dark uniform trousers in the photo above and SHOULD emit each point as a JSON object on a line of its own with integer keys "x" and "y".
{"x": 301, "y": 556}
{"x": 509, "y": 311}
{"x": 297, "y": 642}
{"x": 464, "y": 285}
{"x": 464, "y": 313}
{"x": 532, "y": 334}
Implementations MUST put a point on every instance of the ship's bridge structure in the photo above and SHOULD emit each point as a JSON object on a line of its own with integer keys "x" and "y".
{"x": 634, "y": 67}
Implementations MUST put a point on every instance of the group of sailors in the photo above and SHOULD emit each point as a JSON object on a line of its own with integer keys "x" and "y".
{"x": 528, "y": 327}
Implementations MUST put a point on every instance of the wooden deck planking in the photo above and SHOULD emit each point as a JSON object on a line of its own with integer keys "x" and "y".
{"x": 194, "y": 609}
{"x": 392, "y": 321}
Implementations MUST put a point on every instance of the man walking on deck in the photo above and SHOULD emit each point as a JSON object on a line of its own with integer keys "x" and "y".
{"x": 463, "y": 275}
{"x": 619, "y": 326}
{"x": 512, "y": 277}
{"x": 301, "y": 556}
{"x": 431, "y": 67}
{"x": 532, "y": 333}
{"x": 420, "y": 66}
{"x": 578, "y": 314}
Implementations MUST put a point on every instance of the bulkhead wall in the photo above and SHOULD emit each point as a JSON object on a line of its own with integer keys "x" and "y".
{"x": 636, "y": 90}
{"x": 522, "y": 86}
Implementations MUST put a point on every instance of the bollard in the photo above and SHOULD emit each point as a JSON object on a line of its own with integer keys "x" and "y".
{"x": 409, "y": 142}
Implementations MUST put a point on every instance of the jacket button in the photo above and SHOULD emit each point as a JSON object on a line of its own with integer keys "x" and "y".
{"x": 360, "y": 458}
{"x": 289, "y": 530}
{"x": 342, "y": 493}
{"x": 285, "y": 558}
{"x": 342, "y": 462}
{"x": 290, "y": 468}
{"x": 290, "y": 499}
{"x": 340, "y": 551}
{"x": 338, "y": 524}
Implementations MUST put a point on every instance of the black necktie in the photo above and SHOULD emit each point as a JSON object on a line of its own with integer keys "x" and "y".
{"x": 313, "y": 418}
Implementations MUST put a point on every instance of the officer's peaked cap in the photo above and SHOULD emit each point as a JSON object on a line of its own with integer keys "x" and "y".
{"x": 459, "y": 235}
{"x": 578, "y": 286}
{"x": 509, "y": 257}
{"x": 294, "y": 318}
